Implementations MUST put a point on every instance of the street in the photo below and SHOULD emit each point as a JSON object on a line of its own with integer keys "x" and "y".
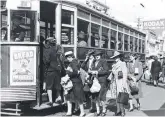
{"x": 152, "y": 104}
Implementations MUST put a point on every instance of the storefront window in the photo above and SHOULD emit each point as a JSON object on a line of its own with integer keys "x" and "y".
{"x": 131, "y": 43}
{"x": 83, "y": 34}
{"x": 140, "y": 45}
{"x": 120, "y": 41}
{"x": 104, "y": 42}
{"x": 136, "y": 45}
{"x": 67, "y": 17}
{"x": 95, "y": 37}
{"x": 126, "y": 39}
{"x": 113, "y": 39}
{"x": 23, "y": 26}
{"x": 67, "y": 36}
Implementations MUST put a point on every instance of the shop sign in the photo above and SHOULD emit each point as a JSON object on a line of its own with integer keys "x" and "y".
{"x": 22, "y": 66}
{"x": 156, "y": 24}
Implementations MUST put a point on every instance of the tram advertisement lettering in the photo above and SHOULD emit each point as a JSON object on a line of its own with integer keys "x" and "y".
{"x": 23, "y": 65}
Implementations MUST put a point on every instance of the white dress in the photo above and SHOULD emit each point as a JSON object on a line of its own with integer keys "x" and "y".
{"x": 121, "y": 84}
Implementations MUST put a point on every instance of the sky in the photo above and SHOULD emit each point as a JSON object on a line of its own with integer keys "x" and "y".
{"x": 129, "y": 10}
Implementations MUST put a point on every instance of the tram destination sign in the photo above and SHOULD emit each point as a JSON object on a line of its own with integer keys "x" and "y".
{"x": 23, "y": 65}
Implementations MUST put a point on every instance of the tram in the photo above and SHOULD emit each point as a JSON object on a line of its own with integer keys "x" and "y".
{"x": 77, "y": 26}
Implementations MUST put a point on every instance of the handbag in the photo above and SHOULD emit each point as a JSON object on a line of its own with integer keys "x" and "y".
{"x": 95, "y": 86}
{"x": 134, "y": 88}
{"x": 123, "y": 97}
{"x": 120, "y": 75}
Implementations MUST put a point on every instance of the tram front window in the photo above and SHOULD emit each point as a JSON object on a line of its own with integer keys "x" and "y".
{"x": 23, "y": 26}
{"x": 3, "y": 21}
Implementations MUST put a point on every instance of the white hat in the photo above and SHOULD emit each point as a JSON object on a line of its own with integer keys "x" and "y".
{"x": 50, "y": 38}
{"x": 68, "y": 53}
{"x": 116, "y": 53}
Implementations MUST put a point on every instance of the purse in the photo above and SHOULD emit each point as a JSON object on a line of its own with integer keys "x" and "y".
{"x": 95, "y": 86}
{"x": 134, "y": 88}
{"x": 120, "y": 75}
{"x": 123, "y": 97}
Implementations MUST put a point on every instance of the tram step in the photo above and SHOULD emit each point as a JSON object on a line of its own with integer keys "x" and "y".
{"x": 45, "y": 106}
{"x": 10, "y": 109}
{"x": 9, "y": 113}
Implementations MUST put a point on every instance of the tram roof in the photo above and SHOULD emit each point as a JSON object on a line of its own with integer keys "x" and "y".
{"x": 88, "y": 9}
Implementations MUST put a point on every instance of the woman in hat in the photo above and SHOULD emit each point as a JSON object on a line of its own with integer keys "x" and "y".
{"x": 101, "y": 70}
{"x": 87, "y": 65}
{"x": 135, "y": 74}
{"x": 119, "y": 75}
{"x": 76, "y": 94}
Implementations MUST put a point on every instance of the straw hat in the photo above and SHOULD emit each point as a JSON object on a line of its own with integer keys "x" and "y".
{"x": 116, "y": 53}
{"x": 69, "y": 53}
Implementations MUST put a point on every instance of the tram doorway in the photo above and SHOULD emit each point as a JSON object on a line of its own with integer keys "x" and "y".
{"x": 47, "y": 29}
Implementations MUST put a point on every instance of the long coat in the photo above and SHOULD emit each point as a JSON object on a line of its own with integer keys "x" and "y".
{"x": 121, "y": 83}
{"x": 76, "y": 94}
{"x": 155, "y": 69}
{"x": 131, "y": 72}
{"x": 103, "y": 72}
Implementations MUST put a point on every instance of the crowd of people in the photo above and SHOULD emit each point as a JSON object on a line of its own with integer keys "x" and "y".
{"x": 89, "y": 81}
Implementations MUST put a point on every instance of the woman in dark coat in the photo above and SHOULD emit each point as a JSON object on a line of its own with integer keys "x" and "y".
{"x": 76, "y": 94}
{"x": 155, "y": 70}
{"x": 101, "y": 70}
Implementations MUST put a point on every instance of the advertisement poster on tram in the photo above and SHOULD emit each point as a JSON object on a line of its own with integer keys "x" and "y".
{"x": 23, "y": 66}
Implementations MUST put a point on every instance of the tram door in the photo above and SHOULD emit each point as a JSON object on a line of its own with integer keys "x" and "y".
{"x": 47, "y": 29}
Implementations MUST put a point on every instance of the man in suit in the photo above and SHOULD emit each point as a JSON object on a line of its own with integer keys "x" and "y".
{"x": 53, "y": 69}
{"x": 155, "y": 70}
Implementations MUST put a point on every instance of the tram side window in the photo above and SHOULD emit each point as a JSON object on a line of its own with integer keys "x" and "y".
{"x": 126, "y": 43}
{"x": 95, "y": 37}
{"x": 67, "y": 17}
{"x": 139, "y": 45}
{"x": 23, "y": 26}
{"x": 104, "y": 42}
{"x": 131, "y": 44}
{"x": 136, "y": 45}
{"x": 83, "y": 33}
{"x": 113, "y": 39}
{"x": 67, "y": 36}
{"x": 143, "y": 46}
{"x": 120, "y": 41}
